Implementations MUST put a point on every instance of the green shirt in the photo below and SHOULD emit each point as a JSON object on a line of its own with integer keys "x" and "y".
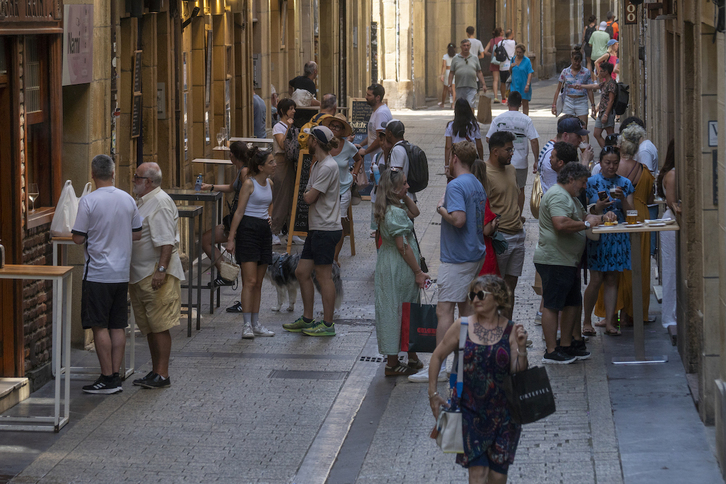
{"x": 599, "y": 42}
{"x": 465, "y": 70}
{"x": 554, "y": 247}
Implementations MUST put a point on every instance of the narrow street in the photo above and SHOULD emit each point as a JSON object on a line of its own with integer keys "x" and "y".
{"x": 295, "y": 409}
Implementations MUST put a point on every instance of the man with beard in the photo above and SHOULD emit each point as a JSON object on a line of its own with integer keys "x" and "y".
{"x": 156, "y": 272}
{"x": 562, "y": 225}
{"x": 381, "y": 114}
{"x": 107, "y": 222}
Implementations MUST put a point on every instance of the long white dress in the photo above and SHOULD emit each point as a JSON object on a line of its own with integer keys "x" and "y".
{"x": 668, "y": 265}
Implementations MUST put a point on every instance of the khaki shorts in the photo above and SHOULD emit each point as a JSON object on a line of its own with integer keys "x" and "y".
{"x": 522, "y": 177}
{"x": 454, "y": 279}
{"x": 156, "y": 311}
{"x": 511, "y": 261}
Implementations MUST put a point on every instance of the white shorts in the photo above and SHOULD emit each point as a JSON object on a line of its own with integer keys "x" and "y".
{"x": 512, "y": 260}
{"x": 576, "y": 106}
{"x": 344, "y": 204}
{"x": 454, "y": 279}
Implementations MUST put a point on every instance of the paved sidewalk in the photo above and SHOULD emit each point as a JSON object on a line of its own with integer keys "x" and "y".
{"x": 294, "y": 409}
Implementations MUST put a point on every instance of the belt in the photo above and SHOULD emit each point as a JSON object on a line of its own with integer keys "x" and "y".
{"x": 570, "y": 95}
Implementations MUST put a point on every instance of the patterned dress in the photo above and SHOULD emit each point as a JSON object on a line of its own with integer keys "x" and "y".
{"x": 488, "y": 426}
{"x": 395, "y": 282}
{"x": 612, "y": 251}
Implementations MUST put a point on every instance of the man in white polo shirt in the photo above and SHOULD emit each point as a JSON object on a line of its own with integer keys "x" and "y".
{"x": 106, "y": 223}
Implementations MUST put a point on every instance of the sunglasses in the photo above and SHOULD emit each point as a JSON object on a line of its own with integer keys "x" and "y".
{"x": 611, "y": 149}
{"x": 481, "y": 295}
{"x": 137, "y": 177}
{"x": 395, "y": 170}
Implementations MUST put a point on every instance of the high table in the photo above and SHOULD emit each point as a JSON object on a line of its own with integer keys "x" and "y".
{"x": 254, "y": 141}
{"x": 192, "y": 212}
{"x": 61, "y": 327}
{"x": 221, "y": 165}
{"x": 636, "y": 232}
{"x": 182, "y": 194}
{"x": 62, "y": 243}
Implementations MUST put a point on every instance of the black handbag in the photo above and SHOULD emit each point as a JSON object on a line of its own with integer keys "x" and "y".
{"x": 422, "y": 262}
{"x": 529, "y": 395}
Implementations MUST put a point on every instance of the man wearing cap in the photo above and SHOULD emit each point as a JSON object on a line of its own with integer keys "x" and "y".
{"x": 324, "y": 232}
{"x": 522, "y": 127}
{"x": 465, "y": 70}
{"x": 599, "y": 41}
{"x": 398, "y": 157}
{"x": 570, "y": 131}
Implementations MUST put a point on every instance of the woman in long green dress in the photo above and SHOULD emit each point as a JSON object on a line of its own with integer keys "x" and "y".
{"x": 398, "y": 273}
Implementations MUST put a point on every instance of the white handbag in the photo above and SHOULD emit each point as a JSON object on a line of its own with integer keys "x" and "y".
{"x": 228, "y": 269}
{"x": 66, "y": 210}
{"x": 450, "y": 423}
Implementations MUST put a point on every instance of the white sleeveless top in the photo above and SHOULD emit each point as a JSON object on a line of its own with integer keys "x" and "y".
{"x": 260, "y": 200}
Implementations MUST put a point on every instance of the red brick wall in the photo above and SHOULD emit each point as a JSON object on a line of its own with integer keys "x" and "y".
{"x": 37, "y": 300}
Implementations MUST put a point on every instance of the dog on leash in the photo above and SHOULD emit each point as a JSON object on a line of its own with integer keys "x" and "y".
{"x": 281, "y": 274}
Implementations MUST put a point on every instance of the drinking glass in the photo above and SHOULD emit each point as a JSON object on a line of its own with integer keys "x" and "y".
{"x": 220, "y": 138}
{"x": 33, "y": 193}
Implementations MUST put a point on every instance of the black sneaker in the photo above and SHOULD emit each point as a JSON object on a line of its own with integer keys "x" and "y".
{"x": 221, "y": 282}
{"x": 557, "y": 358}
{"x": 577, "y": 343}
{"x": 156, "y": 381}
{"x": 138, "y": 382}
{"x": 574, "y": 351}
{"x": 105, "y": 385}
{"x": 235, "y": 308}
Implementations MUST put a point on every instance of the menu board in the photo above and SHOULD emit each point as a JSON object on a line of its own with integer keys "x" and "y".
{"x": 360, "y": 113}
{"x": 299, "y": 217}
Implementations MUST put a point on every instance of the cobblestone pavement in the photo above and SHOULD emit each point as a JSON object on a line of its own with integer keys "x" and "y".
{"x": 279, "y": 409}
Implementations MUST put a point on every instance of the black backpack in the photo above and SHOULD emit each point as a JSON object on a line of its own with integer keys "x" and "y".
{"x": 418, "y": 167}
{"x": 500, "y": 53}
{"x": 622, "y": 98}
{"x": 609, "y": 30}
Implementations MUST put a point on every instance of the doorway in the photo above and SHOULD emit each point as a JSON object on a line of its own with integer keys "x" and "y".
{"x": 486, "y": 22}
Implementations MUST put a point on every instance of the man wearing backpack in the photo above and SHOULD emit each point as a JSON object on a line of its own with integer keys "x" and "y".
{"x": 508, "y": 44}
{"x": 401, "y": 156}
{"x": 612, "y": 29}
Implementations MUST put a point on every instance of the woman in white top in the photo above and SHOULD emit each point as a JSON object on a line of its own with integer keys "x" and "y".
{"x": 464, "y": 127}
{"x": 284, "y": 178}
{"x": 445, "y": 69}
{"x": 250, "y": 237}
{"x": 344, "y": 154}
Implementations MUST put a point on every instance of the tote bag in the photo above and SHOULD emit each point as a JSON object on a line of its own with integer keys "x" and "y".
{"x": 529, "y": 395}
{"x": 536, "y": 198}
{"x": 484, "y": 115}
{"x": 450, "y": 424}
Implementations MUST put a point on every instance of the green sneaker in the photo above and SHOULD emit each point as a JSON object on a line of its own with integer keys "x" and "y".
{"x": 320, "y": 329}
{"x": 299, "y": 325}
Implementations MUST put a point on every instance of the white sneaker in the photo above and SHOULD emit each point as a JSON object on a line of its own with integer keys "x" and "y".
{"x": 297, "y": 240}
{"x": 247, "y": 332}
{"x": 538, "y": 319}
{"x": 423, "y": 375}
{"x": 259, "y": 330}
{"x": 275, "y": 240}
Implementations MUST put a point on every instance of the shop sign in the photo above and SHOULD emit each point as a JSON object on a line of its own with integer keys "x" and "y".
{"x": 631, "y": 13}
{"x": 77, "y": 44}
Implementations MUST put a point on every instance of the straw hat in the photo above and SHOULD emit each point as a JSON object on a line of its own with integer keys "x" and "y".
{"x": 347, "y": 130}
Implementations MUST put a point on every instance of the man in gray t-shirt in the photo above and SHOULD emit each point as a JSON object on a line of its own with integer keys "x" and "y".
{"x": 465, "y": 69}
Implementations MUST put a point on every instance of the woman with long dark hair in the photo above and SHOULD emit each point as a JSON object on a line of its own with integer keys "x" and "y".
{"x": 464, "y": 127}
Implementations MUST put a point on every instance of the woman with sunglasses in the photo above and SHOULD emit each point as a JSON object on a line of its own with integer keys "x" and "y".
{"x": 239, "y": 155}
{"x": 398, "y": 275}
{"x": 609, "y": 256}
{"x": 495, "y": 347}
{"x": 250, "y": 238}
{"x": 344, "y": 155}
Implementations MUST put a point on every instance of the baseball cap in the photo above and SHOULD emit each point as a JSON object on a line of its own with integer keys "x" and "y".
{"x": 395, "y": 127}
{"x": 323, "y": 134}
{"x": 611, "y": 42}
{"x": 571, "y": 125}
{"x": 603, "y": 25}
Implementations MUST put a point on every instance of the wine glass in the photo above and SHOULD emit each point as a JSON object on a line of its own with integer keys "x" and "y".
{"x": 33, "y": 193}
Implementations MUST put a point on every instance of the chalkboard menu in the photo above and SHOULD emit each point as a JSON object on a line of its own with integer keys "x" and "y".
{"x": 360, "y": 113}
{"x": 300, "y": 208}
{"x": 136, "y": 117}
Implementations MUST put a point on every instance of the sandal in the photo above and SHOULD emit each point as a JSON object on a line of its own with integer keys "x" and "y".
{"x": 612, "y": 332}
{"x": 400, "y": 370}
{"x": 235, "y": 308}
{"x": 415, "y": 364}
{"x": 589, "y": 332}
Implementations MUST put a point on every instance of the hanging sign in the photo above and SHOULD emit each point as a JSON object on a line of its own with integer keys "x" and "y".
{"x": 77, "y": 44}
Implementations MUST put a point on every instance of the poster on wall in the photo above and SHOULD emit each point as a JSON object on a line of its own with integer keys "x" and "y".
{"x": 77, "y": 44}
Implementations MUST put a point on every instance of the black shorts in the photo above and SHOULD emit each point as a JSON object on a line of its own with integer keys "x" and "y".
{"x": 254, "y": 241}
{"x": 320, "y": 246}
{"x": 503, "y": 76}
{"x": 560, "y": 286}
{"x": 104, "y": 305}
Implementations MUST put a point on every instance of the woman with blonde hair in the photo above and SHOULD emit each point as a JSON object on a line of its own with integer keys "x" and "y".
{"x": 398, "y": 277}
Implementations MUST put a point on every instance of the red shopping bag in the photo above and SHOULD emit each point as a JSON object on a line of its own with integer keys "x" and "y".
{"x": 418, "y": 327}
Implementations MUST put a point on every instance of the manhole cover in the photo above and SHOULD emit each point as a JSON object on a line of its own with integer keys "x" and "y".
{"x": 308, "y": 375}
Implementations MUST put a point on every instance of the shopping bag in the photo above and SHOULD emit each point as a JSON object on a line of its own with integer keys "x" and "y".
{"x": 560, "y": 102}
{"x": 529, "y": 395}
{"x": 450, "y": 424}
{"x": 418, "y": 327}
{"x": 484, "y": 115}
{"x": 536, "y": 198}
{"x": 66, "y": 210}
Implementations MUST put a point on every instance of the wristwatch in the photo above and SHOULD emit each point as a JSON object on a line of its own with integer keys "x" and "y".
{"x": 161, "y": 269}
{"x": 587, "y": 224}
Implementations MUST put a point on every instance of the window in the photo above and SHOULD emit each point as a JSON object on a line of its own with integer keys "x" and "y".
{"x": 32, "y": 75}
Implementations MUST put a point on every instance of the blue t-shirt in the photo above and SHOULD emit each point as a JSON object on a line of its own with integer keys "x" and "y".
{"x": 465, "y": 244}
{"x": 598, "y": 183}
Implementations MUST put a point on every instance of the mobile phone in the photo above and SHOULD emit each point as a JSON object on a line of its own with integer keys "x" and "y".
{"x": 603, "y": 195}
{"x": 428, "y": 283}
